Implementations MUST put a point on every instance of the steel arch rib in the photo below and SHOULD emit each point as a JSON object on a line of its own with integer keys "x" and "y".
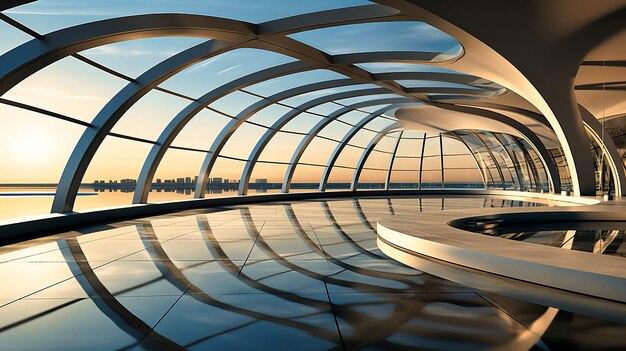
{"x": 180, "y": 120}
{"x": 110, "y": 114}
{"x": 491, "y": 155}
{"x": 271, "y": 131}
{"x": 229, "y": 129}
{"x": 368, "y": 150}
{"x": 608, "y": 147}
{"x": 33, "y": 55}
{"x": 531, "y": 138}
{"x": 392, "y": 159}
{"x": 345, "y": 140}
{"x": 28, "y": 58}
{"x": 482, "y": 171}
{"x": 7, "y": 4}
{"x": 24, "y": 60}
{"x": 510, "y": 157}
{"x": 295, "y": 159}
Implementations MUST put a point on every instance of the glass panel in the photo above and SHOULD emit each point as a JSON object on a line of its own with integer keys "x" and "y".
{"x": 302, "y": 98}
{"x": 379, "y": 123}
{"x": 133, "y": 57}
{"x": 381, "y": 36}
{"x": 430, "y": 163}
{"x": 362, "y": 138}
{"x": 269, "y": 115}
{"x": 69, "y": 87}
{"x": 375, "y": 108}
{"x": 33, "y": 154}
{"x": 335, "y": 130}
{"x": 404, "y": 180}
{"x": 325, "y": 109}
{"x": 11, "y": 37}
{"x": 318, "y": 151}
{"x": 353, "y": 117}
{"x": 306, "y": 177}
{"x": 349, "y": 156}
{"x": 431, "y": 179}
{"x": 73, "y": 12}
{"x": 339, "y": 179}
{"x": 432, "y": 84}
{"x": 463, "y": 178}
{"x": 207, "y": 75}
{"x": 149, "y": 116}
{"x": 383, "y": 67}
{"x": 363, "y": 98}
{"x": 371, "y": 179}
{"x": 281, "y": 147}
{"x": 453, "y": 147}
{"x": 378, "y": 160}
{"x": 242, "y": 141}
{"x": 267, "y": 176}
{"x": 406, "y": 164}
{"x": 410, "y": 147}
{"x": 387, "y": 143}
{"x": 412, "y": 134}
{"x": 201, "y": 131}
{"x": 276, "y": 85}
{"x": 177, "y": 173}
{"x": 114, "y": 182}
{"x": 459, "y": 161}
{"x": 432, "y": 146}
{"x": 234, "y": 103}
{"x": 225, "y": 176}
{"x": 303, "y": 123}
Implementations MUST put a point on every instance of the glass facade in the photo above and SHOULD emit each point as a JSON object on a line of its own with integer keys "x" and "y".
{"x": 163, "y": 111}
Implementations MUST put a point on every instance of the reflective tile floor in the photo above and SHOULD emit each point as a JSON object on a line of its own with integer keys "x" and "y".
{"x": 279, "y": 276}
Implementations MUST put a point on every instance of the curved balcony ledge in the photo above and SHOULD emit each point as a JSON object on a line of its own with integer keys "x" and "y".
{"x": 434, "y": 235}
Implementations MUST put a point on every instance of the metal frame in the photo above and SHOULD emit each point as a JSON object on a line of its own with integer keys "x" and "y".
{"x": 493, "y": 158}
{"x": 229, "y": 129}
{"x": 344, "y": 142}
{"x": 419, "y": 180}
{"x": 367, "y": 151}
{"x": 392, "y": 159}
{"x": 295, "y": 158}
{"x": 473, "y": 154}
{"x": 183, "y": 117}
{"x": 32, "y": 56}
{"x": 228, "y": 34}
{"x": 527, "y": 134}
{"x": 512, "y": 159}
{"x": 36, "y": 54}
{"x": 111, "y": 113}
{"x": 283, "y": 120}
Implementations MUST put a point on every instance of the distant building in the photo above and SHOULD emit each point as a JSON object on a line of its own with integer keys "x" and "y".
{"x": 261, "y": 181}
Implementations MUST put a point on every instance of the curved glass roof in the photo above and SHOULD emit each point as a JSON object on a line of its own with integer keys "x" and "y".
{"x": 175, "y": 104}
{"x": 48, "y": 15}
{"x": 379, "y": 36}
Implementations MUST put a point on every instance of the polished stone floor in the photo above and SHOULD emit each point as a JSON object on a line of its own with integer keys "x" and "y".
{"x": 281, "y": 276}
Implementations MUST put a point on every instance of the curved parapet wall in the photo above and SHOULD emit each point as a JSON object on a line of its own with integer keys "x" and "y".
{"x": 434, "y": 236}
